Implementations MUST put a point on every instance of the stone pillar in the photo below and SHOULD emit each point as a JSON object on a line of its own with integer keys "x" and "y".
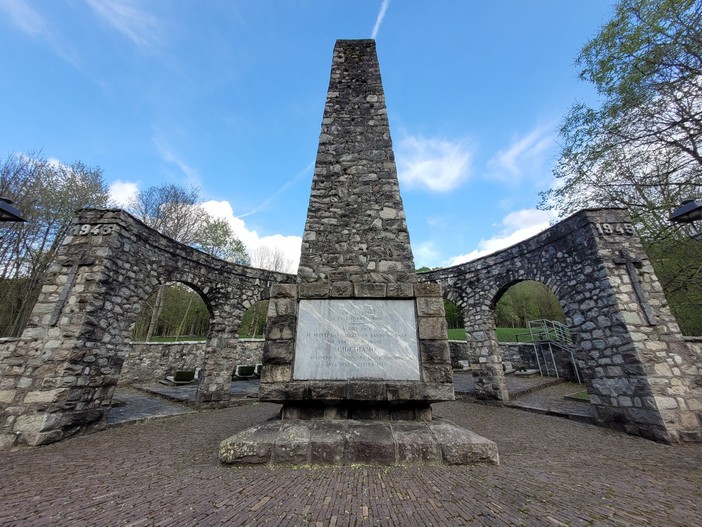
{"x": 63, "y": 372}
{"x": 220, "y": 360}
{"x": 485, "y": 350}
{"x": 357, "y": 350}
{"x": 356, "y": 246}
{"x": 633, "y": 345}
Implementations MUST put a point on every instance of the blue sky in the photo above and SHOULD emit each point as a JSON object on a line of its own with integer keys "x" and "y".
{"x": 228, "y": 95}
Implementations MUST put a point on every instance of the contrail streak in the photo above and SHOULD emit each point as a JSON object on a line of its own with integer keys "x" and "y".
{"x": 379, "y": 20}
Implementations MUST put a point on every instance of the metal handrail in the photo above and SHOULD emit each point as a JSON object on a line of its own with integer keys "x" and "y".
{"x": 550, "y": 330}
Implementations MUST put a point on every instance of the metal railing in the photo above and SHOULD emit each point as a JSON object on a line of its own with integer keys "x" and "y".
{"x": 545, "y": 335}
{"x": 550, "y": 331}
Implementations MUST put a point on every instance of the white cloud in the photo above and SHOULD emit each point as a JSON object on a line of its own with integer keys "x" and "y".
{"x": 289, "y": 245}
{"x": 525, "y": 156}
{"x": 55, "y": 163}
{"x": 436, "y": 164}
{"x": 24, "y": 17}
{"x": 129, "y": 19}
{"x": 121, "y": 192}
{"x": 381, "y": 15}
{"x": 516, "y": 226}
{"x": 192, "y": 174}
{"x": 33, "y": 23}
{"x": 425, "y": 253}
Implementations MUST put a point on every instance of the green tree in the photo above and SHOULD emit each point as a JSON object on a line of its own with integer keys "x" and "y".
{"x": 505, "y": 314}
{"x": 215, "y": 236}
{"x": 640, "y": 148}
{"x": 272, "y": 258}
{"x": 525, "y": 301}
{"x": 176, "y": 212}
{"x": 183, "y": 314}
{"x": 454, "y": 317}
{"x": 253, "y": 323}
{"x": 47, "y": 193}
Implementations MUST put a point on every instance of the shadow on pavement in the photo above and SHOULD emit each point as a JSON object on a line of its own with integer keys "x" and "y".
{"x": 545, "y": 395}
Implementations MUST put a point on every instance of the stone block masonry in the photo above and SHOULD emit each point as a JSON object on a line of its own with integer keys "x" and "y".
{"x": 356, "y": 246}
{"x": 356, "y": 231}
{"x": 357, "y": 349}
{"x": 639, "y": 371}
{"x": 59, "y": 378}
{"x": 153, "y": 361}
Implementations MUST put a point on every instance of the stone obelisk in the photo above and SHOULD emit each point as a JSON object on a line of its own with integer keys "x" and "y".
{"x": 356, "y": 351}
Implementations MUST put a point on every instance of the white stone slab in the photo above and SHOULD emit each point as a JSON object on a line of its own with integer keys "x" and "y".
{"x": 356, "y": 339}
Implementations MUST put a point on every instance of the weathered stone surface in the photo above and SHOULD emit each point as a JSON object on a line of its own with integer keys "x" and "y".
{"x": 356, "y": 250}
{"x": 276, "y": 373}
{"x": 292, "y": 445}
{"x": 460, "y": 446}
{"x": 341, "y": 290}
{"x": 417, "y": 445}
{"x": 356, "y": 339}
{"x": 430, "y": 307}
{"x": 360, "y": 391}
{"x": 313, "y": 290}
{"x": 435, "y": 351}
{"x": 370, "y": 290}
{"x": 251, "y": 446}
{"x": 433, "y": 328}
{"x": 278, "y": 351}
{"x": 78, "y": 338}
{"x": 353, "y": 442}
{"x": 629, "y": 346}
{"x": 356, "y": 224}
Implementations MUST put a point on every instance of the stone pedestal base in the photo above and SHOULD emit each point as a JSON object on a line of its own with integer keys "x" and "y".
{"x": 348, "y": 442}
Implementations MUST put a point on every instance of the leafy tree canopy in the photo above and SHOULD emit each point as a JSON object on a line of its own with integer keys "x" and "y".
{"x": 47, "y": 193}
{"x": 176, "y": 212}
{"x": 640, "y": 148}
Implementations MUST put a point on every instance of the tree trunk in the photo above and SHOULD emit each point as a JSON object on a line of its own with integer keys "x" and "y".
{"x": 185, "y": 316}
{"x": 156, "y": 313}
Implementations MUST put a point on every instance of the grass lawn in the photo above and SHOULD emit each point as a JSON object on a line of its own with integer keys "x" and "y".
{"x": 185, "y": 338}
{"x": 583, "y": 396}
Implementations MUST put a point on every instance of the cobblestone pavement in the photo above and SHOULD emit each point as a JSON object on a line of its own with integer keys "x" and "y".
{"x": 536, "y": 394}
{"x": 134, "y": 405}
{"x": 186, "y": 393}
{"x": 165, "y": 473}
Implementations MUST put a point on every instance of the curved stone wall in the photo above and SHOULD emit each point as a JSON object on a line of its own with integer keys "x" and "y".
{"x": 58, "y": 379}
{"x": 60, "y": 376}
{"x": 629, "y": 347}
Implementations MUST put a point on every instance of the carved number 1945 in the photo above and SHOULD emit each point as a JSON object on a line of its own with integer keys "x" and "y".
{"x": 95, "y": 230}
{"x": 607, "y": 229}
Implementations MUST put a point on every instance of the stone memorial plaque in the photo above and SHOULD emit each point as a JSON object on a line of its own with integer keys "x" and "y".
{"x": 356, "y": 339}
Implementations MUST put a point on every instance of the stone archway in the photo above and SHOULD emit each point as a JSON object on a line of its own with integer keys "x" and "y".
{"x": 544, "y": 339}
{"x": 630, "y": 347}
{"x": 173, "y": 310}
{"x": 180, "y": 332}
{"x": 62, "y": 373}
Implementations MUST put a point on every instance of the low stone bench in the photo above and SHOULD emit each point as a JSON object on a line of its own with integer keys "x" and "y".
{"x": 247, "y": 371}
{"x": 182, "y": 377}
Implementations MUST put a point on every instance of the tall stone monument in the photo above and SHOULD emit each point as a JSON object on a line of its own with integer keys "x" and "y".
{"x": 356, "y": 351}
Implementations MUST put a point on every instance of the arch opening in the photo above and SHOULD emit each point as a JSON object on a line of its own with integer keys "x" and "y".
{"x": 253, "y": 323}
{"x": 532, "y": 329}
{"x": 173, "y": 312}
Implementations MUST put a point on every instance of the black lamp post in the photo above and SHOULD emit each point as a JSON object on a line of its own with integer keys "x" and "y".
{"x": 8, "y": 212}
{"x": 690, "y": 210}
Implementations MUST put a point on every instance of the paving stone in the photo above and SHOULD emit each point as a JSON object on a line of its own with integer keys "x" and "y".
{"x": 165, "y": 472}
